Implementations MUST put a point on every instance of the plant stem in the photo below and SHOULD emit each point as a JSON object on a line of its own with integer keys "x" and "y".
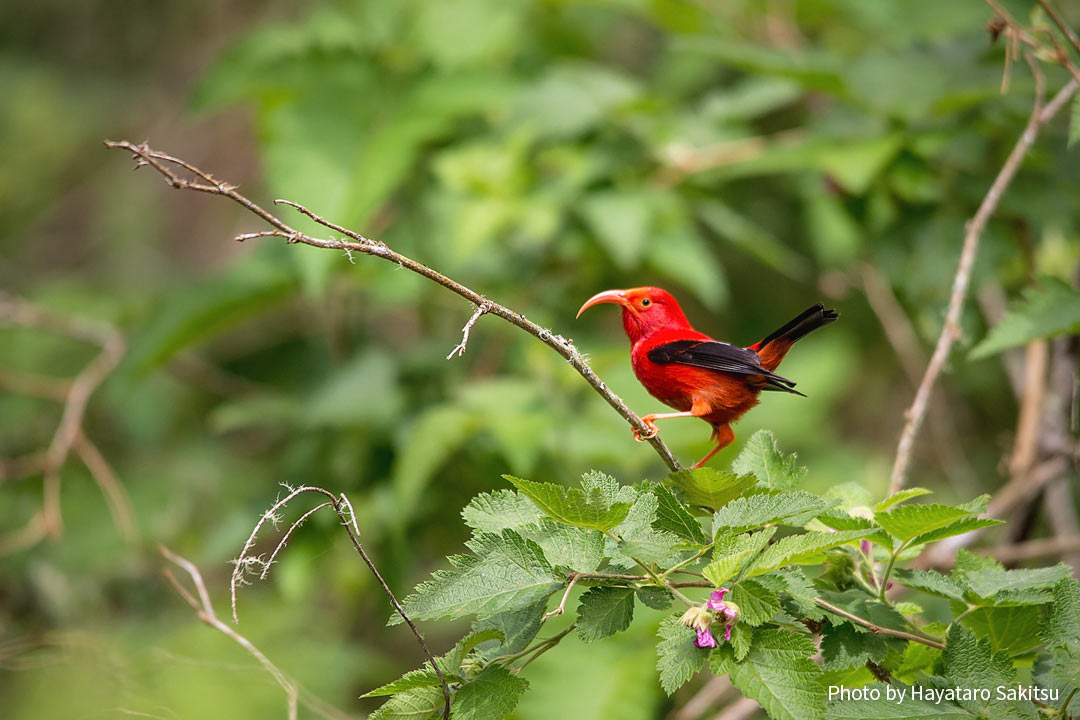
{"x": 546, "y": 645}
{"x": 687, "y": 561}
{"x": 888, "y": 571}
{"x": 877, "y": 628}
{"x": 1065, "y": 706}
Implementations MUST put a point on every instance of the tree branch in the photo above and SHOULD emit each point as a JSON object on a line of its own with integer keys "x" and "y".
{"x": 915, "y": 415}
{"x": 206, "y": 183}
{"x": 877, "y": 628}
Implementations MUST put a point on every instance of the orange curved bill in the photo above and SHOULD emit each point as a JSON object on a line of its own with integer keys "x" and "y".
{"x": 618, "y": 297}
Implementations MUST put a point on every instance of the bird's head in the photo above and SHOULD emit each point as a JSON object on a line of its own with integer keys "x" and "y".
{"x": 644, "y": 310}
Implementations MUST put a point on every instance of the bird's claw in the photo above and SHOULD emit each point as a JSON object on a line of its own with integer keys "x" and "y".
{"x": 653, "y": 432}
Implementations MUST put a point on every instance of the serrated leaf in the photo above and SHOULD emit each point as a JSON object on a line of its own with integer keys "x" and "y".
{"x": 971, "y": 663}
{"x": 758, "y": 510}
{"x": 990, "y": 582}
{"x": 640, "y": 540}
{"x": 731, "y": 552}
{"x": 672, "y": 517}
{"x": 1063, "y": 620}
{"x": 656, "y": 598}
{"x": 908, "y": 521}
{"x": 931, "y": 581}
{"x": 961, "y": 526}
{"x": 801, "y": 592}
{"x": 491, "y": 695}
{"x": 741, "y": 640}
{"x": 604, "y": 611}
{"x": 590, "y": 509}
{"x": 500, "y": 509}
{"x": 507, "y": 572}
{"x": 899, "y": 497}
{"x": 518, "y": 628}
{"x": 1014, "y": 630}
{"x": 762, "y": 458}
{"x": 452, "y": 660}
{"x": 779, "y": 674}
{"x": 757, "y": 603}
{"x": 677, "y": 658}
{"x": 1048, "y": 310}
{"x": 909, "y": 709}
{"x": 567, "y": 546}
{"x": 917, "y": 660}
{"x": 709, "y": 487}
{"x": 842, "y": 647}
{"x": 418, "y": 704}
{"x": 802, "y": 549}
{"x": 608, "y": 486}
{"x": 419, "y": 678}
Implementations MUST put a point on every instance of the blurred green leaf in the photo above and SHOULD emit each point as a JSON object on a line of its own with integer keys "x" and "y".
{"x": 1048, "y": 310}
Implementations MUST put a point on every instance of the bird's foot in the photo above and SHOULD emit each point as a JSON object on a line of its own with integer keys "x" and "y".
{"x": 653, "y": 430}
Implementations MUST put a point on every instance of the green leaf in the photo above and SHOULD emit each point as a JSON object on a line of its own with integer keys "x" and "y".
{"x": 899, "y": 497}
{"x": 1048, "y": 310}
{"x": 621, "y": 221}
{"x": 491, "y": 695}
{"x": 418, "y": 704}
{"x": 779, "y": 674}
{"x": 762, "y": 458}
{"x": 655, "y": 597}
{"x": 843, "y": 647}
{"x": 507, "y": 572}
{"x": 757, "y": 603}
{"x": 991, "y": 582}
{"x": 961, "y": 526}
{"x": 909, "y": 521}
{"x": 500, "y": 509}
{"x": 1014, "y": 630}
{"x": 604, "y": 611}
{"x": 452, "y": 660}
{"x": 741, "y": 640}
{"x": 205, "y": 311}
{"x": 971, "y": 663}
{"x": 1063, "y": 621}
{"x": 731, "y": 552}
{"x": 419, "y": 678}
{"x": 573, "y": 506}
{"x": 566, "y": 546}
{"x": 639, "y": 538}
{"x": 932, "y": 582}
{"x": 517, "y": 627}
{"x": 752, "y": 238}
{"x": 672, "y": 517}
{"x": 709, "y": 487}
{"x": 677, "y": 658}
{"x": 752, "y": 512}
{"x": 802, "y": 549}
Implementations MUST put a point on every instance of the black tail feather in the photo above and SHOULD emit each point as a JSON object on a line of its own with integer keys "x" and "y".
{"x": 806, "y": 322}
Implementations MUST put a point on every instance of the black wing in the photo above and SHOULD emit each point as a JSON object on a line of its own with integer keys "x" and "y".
{"x": 720, "y": 356}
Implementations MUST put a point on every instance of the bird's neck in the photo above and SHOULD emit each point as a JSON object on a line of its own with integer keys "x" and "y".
{"x": 642, "y": 326}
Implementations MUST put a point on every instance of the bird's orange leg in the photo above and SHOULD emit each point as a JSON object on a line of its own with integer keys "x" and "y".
{"x": 724, "y": 436}
{"x": 650, "y": 422}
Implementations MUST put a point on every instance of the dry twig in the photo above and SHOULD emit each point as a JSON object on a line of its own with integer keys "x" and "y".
{"x": 915, "y": 415}
{"x": 344, "y": 509}
{"x": 205, "y": 182}
{"x": 75, "y": 395}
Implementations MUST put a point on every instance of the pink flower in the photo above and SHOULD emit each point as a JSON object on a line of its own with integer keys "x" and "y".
{"x": 705, "y": 638}
{"x": 716, "y": 599}
{"x": 864, "y": 545}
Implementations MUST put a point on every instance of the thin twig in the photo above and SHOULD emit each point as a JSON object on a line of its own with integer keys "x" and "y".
{"x": 161, "y": 162}
{"x": 345, "y": 512}
{"x": 17, "y": 311}
{"x": 1067, "y": 31}
{"x": 915, "y": 415}
{"x": 877, "y": 629}
{"x": 562, "y": 603}
{"x": 204, "y": 609}
{"x": 459, "y": 350}
{"x": 115, "y": 496}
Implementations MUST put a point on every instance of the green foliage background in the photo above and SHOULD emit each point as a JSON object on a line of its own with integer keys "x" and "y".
{"x": 751, "y": 157}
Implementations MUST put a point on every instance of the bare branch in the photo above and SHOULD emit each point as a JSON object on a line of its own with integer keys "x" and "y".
{"x": 111, "y": 487}
{"x": 460, "y": 349}
{"x": 1067, "y": 31}
{"x": 877, "y": 629}
{"x": 163, "y": 163}
{"x": 950, "y": 332}
{"x": 347, "y": 515}
{"x": 562, "y": 603}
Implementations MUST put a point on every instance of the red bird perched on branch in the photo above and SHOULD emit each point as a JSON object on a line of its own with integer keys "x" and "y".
{"x": 696, "y": 375}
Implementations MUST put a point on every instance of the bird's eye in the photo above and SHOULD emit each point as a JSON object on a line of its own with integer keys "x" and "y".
{"x": 646, "y": 302}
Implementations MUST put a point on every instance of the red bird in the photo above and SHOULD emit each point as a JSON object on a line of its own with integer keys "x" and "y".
{"x": 698, "y": 376}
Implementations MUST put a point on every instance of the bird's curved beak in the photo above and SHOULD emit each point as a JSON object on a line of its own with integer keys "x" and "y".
{"x": 618, "y": 297}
